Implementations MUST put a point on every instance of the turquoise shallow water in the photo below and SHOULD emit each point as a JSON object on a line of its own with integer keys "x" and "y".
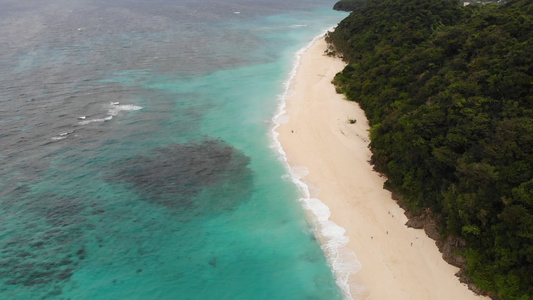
{"x": 137, "y": 161}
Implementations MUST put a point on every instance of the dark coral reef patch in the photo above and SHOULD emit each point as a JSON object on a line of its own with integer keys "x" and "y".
{"x": 202, "y": 178}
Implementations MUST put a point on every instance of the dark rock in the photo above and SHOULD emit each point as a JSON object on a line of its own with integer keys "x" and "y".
{"x": 450, "y": 248}
{"x": 416, "y": 222}
{"x": 213, "y": 261}
{"x": 432, "y": 230}
{"x": 81, "y": 254}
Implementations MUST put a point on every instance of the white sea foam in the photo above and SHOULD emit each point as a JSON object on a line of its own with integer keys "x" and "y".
{"x": 116, "y": 108}
{"x": 283, "y": 119}
{"x": 298, "y": 25}
{"x": 299, "y": 171}
{"x": 61, "y": 136}
{"x": 342, "y": 260}
{"x": 113, "y": 110}
{"x": 95, "y": 120}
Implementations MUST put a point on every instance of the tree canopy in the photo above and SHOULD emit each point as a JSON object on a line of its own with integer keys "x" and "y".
{"x": 349, "y": 5}
{"x": 448, "y": 91}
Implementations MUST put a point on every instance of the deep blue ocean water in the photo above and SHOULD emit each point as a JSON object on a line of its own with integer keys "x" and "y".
{"x": 136, "y": 155}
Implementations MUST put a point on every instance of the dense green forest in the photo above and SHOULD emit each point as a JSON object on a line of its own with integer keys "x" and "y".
{"x": 448, "y": 92}
{"x": 349, "y": 5}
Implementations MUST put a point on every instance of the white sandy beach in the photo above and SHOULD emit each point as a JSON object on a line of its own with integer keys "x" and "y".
{"x": 397, "y": 262}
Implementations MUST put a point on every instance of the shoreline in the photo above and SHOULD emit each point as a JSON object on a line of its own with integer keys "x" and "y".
{"x": 372, "y": 253}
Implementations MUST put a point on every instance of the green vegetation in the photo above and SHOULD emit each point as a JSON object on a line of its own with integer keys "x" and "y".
{"x": 448, "y": 91}
{"x": 349, "y": 5}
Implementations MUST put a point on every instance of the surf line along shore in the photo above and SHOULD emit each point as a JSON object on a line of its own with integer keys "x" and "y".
{"x": 329, "y": 136}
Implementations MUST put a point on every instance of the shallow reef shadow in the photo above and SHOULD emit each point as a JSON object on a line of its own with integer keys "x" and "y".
{"x": 193, "y": 179}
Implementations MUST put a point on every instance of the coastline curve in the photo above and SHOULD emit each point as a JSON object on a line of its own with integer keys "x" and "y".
{"x": 342, "y": 260}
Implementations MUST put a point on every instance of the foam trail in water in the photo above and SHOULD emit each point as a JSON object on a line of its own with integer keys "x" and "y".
{"x": 112, "y": 111}
{"x": 95, "y": 120}
{"x": 342, "y": 260}
{"x": 61, "y": 136}
{"x": 58, "y": 138}
{"x": 297, "y": 25}
{"x": 116, "y": 108}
